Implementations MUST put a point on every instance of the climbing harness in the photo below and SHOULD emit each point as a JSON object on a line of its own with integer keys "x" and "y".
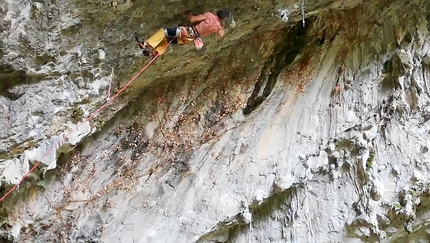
{"x": 189, "y": 34}
{"x": 92, "y": 115}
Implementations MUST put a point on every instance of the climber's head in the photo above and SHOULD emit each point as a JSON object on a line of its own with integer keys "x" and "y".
{"x": 223, "y": 13}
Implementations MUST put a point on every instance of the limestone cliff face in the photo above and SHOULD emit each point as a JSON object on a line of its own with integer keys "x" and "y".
{"x": 308, "y": 122}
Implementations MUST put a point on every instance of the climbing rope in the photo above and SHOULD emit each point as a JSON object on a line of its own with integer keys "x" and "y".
{"x": 92, "y": 115}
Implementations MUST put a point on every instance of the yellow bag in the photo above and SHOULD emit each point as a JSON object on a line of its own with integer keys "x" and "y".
{"x": 158, "y": 42}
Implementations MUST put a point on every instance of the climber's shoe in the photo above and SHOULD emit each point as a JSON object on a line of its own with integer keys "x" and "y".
{"x": 141, "y": 43}
{"x": 146, "y": 50}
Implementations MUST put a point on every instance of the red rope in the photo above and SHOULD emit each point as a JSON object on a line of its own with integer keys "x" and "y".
{"x": 92, "y": 115}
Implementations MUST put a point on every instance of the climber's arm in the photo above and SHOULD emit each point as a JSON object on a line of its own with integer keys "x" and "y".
{"x": 220, "y": 32}
{"x": 193, "y": 18}
{"x": 197, "y": 18}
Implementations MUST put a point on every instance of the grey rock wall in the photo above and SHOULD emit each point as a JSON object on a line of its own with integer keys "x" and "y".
{"x": 298, "y": 134}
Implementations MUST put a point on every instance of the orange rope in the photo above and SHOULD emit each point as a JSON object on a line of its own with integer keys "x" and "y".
{"x": 92, "y": 115}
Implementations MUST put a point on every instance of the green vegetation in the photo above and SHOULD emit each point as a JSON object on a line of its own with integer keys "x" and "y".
{"x": 369, "y": 161}
{"x": 77, "y": 114}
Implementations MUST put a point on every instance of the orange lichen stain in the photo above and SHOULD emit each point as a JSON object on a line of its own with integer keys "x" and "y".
{"x": 32, "y": 196}
{"x": 337, "y": 89}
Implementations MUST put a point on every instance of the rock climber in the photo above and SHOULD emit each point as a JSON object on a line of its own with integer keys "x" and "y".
{"x": 201, "y": 25}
